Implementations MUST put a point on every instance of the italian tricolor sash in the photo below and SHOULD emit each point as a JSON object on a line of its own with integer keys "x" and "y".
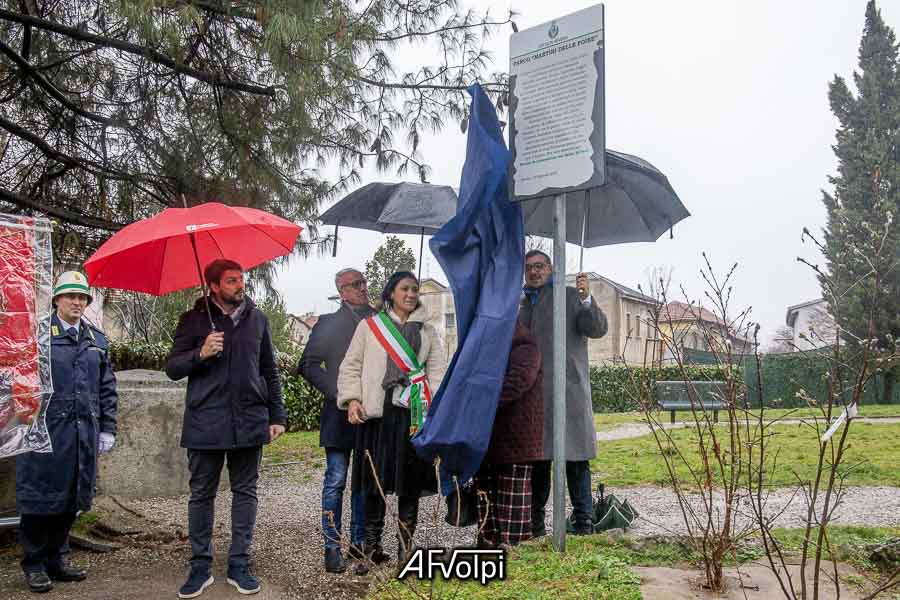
{"x": 417, "y": 395}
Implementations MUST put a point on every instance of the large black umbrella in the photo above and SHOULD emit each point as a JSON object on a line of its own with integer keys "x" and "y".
{"x": 636, "y": 204}
{"x": 410, "y": 208}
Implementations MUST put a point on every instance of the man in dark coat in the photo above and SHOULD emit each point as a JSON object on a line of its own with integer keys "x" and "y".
{"x": 81, "y": 420}
{"x": 233, "y": 406}
{"x": 319, "y": 365}
{"x": 584, "y": 320}
{"x": 516, "y": 442}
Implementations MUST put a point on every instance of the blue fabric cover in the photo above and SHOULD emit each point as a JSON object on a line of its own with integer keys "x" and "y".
{"x": 482, "y": 252}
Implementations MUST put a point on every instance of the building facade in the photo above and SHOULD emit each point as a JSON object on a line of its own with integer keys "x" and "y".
{"x": 812, "y": 326}
{"x": 693, "y": 327}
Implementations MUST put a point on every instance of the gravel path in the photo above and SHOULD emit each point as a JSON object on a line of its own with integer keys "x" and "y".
{"x": 633, "y": 430}
{"x": 287, "y": 547}
{"x": 660, "y": 513}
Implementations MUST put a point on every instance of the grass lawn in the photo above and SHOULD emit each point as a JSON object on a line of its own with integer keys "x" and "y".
{"x": 534, "y": 572}
{"x": 873, "y": 453}
{"x": 297, "y": 446}
{"x": 608, "y": 421}
{"x": 848, "y": 541}
{"x": 597, "y": 567}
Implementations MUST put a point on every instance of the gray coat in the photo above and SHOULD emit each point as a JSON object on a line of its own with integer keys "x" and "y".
{"x": 581, "y": 323}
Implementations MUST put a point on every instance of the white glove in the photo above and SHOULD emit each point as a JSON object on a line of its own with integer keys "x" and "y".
{"x": 107, "y": 441}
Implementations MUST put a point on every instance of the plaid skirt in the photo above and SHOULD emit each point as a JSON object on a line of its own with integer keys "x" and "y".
{"x": 504, "y": 507}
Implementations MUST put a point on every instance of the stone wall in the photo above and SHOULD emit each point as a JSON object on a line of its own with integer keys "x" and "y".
{"x": 147, "y": 460}
{"x": 7, "y": 487}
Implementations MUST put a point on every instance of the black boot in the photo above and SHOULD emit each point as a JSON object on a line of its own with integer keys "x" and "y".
{"x": 407, "y": 519}
{"x": 372, "y": 549}
{"x": 334, "y": 562}
{"x": 538, "y": 526}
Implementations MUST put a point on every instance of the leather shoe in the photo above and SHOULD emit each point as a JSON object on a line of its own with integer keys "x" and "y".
{"x": 38, "y": 582}
{"x": 334, "y": 562}
{"x": 67, "y": 573}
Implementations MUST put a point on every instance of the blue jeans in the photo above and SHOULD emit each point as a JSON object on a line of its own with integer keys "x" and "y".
{"x": 336, "y": 463}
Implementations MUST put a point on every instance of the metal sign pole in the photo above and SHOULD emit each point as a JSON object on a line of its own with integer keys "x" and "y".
{"x": 559, "y": 373}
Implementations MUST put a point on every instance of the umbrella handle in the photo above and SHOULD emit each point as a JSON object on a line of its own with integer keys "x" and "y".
{"x": 421, "y": 245}
{"x": 212, "y": 325}
{"x": 334, "y": 246}
{"x": 200, "y": 271}
{"x": 585, "y": 211}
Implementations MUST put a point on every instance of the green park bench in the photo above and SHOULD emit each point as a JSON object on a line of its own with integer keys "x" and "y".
{"x": 674, "y": 395}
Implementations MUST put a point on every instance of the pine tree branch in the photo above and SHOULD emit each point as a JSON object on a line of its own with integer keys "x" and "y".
{"x": 60, "y": 213}
{"x": 90, "y": 166}
{"x": 415, "y": 86}
{"x": 29, "y": 69}
{"x": 220, "y": 10}
{"x": 214, "y": 79}
{"x": 414, "y": 34}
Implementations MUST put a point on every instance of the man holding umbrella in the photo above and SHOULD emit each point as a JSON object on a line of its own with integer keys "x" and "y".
{"x": 81, "y": 419}
{"x": 234, "y": 406}
{"x": 584, "y": 320}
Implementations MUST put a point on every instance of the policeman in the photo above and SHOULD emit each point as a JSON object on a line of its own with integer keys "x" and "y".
{"x": 81, "y": 420}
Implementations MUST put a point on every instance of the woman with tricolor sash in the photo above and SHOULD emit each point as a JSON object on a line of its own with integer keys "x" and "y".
{"x": 394, "y": 364}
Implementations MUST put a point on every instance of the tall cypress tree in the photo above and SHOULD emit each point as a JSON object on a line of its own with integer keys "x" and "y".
{"x": 862, "y": 235}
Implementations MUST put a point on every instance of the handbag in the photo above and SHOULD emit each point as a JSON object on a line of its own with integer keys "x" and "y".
{"x": 462, "y": 507}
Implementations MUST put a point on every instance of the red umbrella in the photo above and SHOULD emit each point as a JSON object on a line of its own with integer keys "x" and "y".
{"x": 164, "y": 253}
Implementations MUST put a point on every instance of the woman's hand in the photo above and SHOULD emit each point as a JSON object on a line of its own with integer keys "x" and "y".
{"x": 356, "y": 414}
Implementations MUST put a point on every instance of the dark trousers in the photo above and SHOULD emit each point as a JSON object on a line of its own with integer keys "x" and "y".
{"x": 243, "y": 473}
{"x": 407, "y": 519}
{"x": 43, "y": 539}
{"x": 578, "y": 480}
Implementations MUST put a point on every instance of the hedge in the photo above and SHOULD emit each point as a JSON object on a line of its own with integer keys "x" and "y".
{"x": 612, "y": 386}
{"x": 784, "y": 375}
{"x": 303, "y": 403}
{"x": 138, "y": 355}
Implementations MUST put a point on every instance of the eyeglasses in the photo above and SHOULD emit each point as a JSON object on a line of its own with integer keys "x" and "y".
{"x": 356, "y": 285}
{"x": 538, "y": 266}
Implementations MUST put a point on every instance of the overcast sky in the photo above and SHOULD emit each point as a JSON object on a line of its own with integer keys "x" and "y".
{"x": 729, "y": 100}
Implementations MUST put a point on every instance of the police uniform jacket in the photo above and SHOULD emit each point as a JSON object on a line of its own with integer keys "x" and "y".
{"x": 83, "y": 404}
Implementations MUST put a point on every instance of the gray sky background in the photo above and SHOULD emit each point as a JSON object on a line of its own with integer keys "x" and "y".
{"x": 729, "y": 100}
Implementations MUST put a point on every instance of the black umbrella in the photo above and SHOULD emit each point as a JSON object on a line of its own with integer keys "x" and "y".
{"x": 636, "y": 204}
{"x": 410, "y": 208}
